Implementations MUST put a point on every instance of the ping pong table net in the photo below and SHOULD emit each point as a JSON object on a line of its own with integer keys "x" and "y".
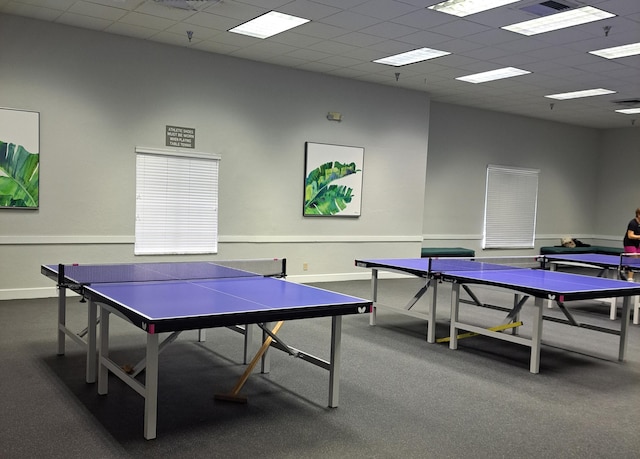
{"x": 450, "y": 264}
{"x": 76, "y": 275}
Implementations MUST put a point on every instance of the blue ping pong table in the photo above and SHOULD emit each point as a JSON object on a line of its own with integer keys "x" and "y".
{"x": 610, "y": 266}
{"x": 158, "y": 306}
{"x": 523, "y": 282}
{"x": 76, "y": 278}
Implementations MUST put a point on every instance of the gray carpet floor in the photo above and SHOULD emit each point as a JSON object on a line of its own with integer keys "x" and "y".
{"x": 400, "y": 397}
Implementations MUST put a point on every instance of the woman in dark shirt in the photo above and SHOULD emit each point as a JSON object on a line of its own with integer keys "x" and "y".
{"x": 631, "y": 240}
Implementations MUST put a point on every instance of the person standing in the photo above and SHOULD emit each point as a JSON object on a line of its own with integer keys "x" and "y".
{"x": 631, "y": 239}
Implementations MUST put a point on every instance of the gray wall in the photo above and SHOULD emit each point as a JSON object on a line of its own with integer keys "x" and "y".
{"x": 618, "y": 181}
{"x": 587, "y": 189}
{"x": 463, "y": 141}
{"x": 102, "y": 95}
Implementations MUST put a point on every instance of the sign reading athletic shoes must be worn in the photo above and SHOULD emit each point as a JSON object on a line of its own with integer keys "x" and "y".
{"x": 181, "y": 137}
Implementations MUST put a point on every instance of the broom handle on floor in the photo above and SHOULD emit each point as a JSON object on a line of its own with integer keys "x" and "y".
{"x": 254, "y": 361}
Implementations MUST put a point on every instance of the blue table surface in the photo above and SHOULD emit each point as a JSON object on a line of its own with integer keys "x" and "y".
{"x": 550, "y": 281}
{"x": 596, "y": 259}
{"x": 182, "y": 299}
{"x": 525, "y": 278}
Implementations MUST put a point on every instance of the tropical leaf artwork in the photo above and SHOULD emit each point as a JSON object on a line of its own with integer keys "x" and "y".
{"x": 19, "y": 176}
{"x": 321, "y": 195}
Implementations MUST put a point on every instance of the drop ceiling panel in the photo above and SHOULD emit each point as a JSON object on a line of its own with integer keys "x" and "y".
{"x": 345, "y": 36}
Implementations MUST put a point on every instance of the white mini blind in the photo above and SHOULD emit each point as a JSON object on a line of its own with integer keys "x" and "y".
{"x": 176, "y": 202}
{"x": 511, "y": 201}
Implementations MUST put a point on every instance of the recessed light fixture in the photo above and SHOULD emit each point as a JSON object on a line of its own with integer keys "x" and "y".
{"x": 498, "y": 74}
{"x": 618, "y": 51}
{"x": 559, "y": 21}
{"x": 411, "y": 57}
{"x": 463, "y": 8}
{"x": 629, "y": 111}
{"x": 269, "y": 24}
{"x": 578, "y": 94}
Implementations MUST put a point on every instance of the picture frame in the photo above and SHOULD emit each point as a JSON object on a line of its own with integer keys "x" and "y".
{"x": 19, "y": 159}
{"x": 333, "y": 180}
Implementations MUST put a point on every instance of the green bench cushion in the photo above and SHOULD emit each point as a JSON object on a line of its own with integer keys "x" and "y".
{"x": 593, "y": 249}
{"x": 447, "y": 252}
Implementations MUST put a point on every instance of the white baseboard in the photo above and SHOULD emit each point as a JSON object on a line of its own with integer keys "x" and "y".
{"x": 28, "y": 293}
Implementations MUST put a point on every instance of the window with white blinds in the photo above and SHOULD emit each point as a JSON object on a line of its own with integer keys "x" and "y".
{"x": 176, "y": 202}
{"x": 511, "y": 201}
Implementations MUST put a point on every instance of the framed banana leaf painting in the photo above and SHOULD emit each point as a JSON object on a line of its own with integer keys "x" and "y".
{"x": 19, "y": 159}
{"x": 333, "y": 180}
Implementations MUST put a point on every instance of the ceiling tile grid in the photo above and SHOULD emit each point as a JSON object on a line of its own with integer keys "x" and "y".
{"x": 344, "y": 37}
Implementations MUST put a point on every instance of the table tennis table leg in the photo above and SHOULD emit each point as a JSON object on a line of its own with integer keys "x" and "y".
{"x": 613, "y": 309}
{"x": 552, "y": 267}
{"x": 103, "y": 349}
{"x": 536, "y": 337}
{"x": 374, "y": 296}
{"x": 148, "y": 390}
{"x": 62, "y": 318}
{"x": 613, "y": 302}
{"x": 517, "y": 298}
{"x": 431, "y": 324}
{"x": 151, "y": 387}
{"x": 265, "y": 362}
{"x": 636, "y": 310}
{"x": 455, "y": 308}
{"x": 334, "y": 365}
{"x": 92, "y": 360}
{"x": 248, "y": 342}
{"x": 624, "y": 326}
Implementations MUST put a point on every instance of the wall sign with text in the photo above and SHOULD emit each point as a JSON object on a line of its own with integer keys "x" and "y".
{"x": 181, "y": 137}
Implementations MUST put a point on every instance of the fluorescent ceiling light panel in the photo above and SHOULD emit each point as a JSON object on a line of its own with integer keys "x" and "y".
{"x": 629, "y": 111}
{"x": 411, "y": 57}
{"x": 578, "y": 94}
{"x": 559, "y": 21}
{"x": 618, "y": 51}
{"x": 463, "y": 8}
{"x": 269, "y": 24}
{"x": 498, "y": 74}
